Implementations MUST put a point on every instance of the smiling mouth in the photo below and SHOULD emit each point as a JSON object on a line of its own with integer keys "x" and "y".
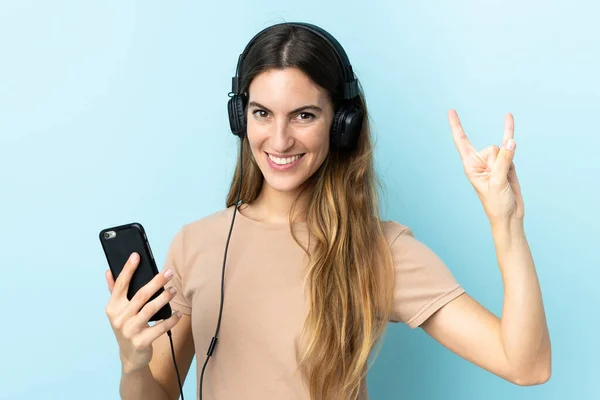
{"x": 285, "y": 160}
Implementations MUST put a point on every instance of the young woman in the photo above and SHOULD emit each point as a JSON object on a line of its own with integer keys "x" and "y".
{"x": 313, "y": 275}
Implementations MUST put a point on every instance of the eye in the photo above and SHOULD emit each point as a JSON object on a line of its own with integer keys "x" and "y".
{"x": 306, "y": 116}
{"x": 260, "y": 113}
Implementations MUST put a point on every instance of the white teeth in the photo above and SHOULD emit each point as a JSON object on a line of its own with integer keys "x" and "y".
{"x": 284, "y": 161}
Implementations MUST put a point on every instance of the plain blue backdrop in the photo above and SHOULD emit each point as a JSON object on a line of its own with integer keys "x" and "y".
{"x": 112, "y": 112}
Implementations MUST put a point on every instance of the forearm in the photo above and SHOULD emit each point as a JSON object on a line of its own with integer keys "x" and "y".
{"x": 141, "y": 385}
{"x": 524, "y": 330}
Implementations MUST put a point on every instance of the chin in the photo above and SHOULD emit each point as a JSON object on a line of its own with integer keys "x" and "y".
{"x": 284, "y": 184}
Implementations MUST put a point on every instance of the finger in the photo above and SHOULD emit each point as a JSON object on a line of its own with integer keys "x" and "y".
{"x": 151, "y": 333}
{"x": 146, "y": 292}
{"x": 509, "y": 128}
{"x": 141, "y": 319}
{"x": 464, "y": 146}
{"x": 109, "y": 280}
{"x": 489, "y": 155}
{"x": 513, "y": 180}
{"x": 122, "y": 282}
{"x": 504, "y": 161}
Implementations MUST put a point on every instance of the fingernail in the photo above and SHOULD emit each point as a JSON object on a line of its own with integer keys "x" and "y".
{"x": 178, "y": 313}
{"x": 134, "y": 257}
{"x": 168, "y": 274}
{"x": 173, "y": 290}
{"x": 510, "y": 144}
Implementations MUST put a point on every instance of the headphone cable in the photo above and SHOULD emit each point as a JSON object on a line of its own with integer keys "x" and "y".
{"x": 175, "y": 363}
{"x": 213, "y": 342}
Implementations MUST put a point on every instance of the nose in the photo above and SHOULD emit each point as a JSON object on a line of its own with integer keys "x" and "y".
{"x": 282, "y": 138}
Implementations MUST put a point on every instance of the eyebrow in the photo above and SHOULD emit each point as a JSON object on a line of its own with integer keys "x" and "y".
{"x": 311, "y": 107}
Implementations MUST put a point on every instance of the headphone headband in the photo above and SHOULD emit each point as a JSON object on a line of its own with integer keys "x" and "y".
{"x": 349, "y": 86}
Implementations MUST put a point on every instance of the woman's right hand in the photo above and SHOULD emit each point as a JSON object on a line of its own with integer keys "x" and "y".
{"x": 129, "y": 319}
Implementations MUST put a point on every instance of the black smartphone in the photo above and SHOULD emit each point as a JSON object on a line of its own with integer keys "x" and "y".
{"x": 118, "y": 243}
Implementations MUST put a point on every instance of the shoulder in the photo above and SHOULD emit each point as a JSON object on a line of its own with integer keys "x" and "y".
{"x": 413, "y": 258}
{"x": 216, "y": 221}
{"x": 423, "y": 281}
{"x": 404, "y": 245}
{"x": 202, "y": 232}
{"x": 392, "y": 230}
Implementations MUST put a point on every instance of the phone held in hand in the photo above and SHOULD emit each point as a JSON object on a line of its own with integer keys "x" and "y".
{"x": 118, "y": 243}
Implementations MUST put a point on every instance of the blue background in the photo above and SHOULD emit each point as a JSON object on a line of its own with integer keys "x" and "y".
{"x": 113, "y": 111}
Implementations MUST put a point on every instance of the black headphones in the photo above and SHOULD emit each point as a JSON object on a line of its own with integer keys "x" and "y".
{"x": 348, "y": 118}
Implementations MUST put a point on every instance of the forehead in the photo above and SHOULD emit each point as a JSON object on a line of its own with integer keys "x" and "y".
{"x": 286, "y": 88}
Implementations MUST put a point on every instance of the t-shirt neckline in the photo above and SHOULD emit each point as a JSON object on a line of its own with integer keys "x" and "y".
{"x": 263, "y": 224}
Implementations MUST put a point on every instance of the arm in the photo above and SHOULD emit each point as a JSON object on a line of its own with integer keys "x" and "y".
{"x": 141, "y": 385}
{"x": 516, "y": 347}
{"x": 159, "y": 381}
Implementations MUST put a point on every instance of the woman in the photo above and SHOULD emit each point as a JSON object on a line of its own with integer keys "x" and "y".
{"x": 313, "y": 275}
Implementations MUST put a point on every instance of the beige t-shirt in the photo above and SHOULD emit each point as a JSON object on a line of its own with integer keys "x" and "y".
{"x": 265, "y": 304}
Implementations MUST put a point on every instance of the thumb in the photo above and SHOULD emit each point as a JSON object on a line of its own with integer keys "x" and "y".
{"x": 504, "y": 160}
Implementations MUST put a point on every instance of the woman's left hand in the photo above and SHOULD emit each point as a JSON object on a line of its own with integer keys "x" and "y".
{"x": 491, "y": 171}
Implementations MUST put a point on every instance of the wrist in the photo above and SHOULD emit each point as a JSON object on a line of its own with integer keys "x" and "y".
{"x": 508, "y": 234}
{"x": 507, "y": 226}
{"x": 128, "y": 369}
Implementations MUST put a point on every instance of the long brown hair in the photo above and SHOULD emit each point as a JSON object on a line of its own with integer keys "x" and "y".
{"x": 350, "y": 274}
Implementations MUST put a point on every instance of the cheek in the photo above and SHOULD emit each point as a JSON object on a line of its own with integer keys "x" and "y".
{"x": 255, "y": 149}
{"x": 256, "y": 136}
{"x": 317, "y": 141}
{"x": 324, "y": 137}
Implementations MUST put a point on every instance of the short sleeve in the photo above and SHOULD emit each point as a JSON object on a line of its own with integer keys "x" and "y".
{"x": 175, "y": 262}
{"x": 423, "y": 283}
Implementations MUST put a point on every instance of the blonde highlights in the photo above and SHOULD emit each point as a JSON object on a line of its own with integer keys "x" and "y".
{"x": 349, "y": 276}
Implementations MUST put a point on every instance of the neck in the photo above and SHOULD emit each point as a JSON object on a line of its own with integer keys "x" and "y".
{"x": 274, "y": 206}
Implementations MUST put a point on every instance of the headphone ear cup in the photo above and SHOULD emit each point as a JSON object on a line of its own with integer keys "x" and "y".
{"x": 346, "y": 127}
{"x": 237, "y": 118}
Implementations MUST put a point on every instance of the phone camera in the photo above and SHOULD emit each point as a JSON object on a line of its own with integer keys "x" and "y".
{"x": 109, "y": 234}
